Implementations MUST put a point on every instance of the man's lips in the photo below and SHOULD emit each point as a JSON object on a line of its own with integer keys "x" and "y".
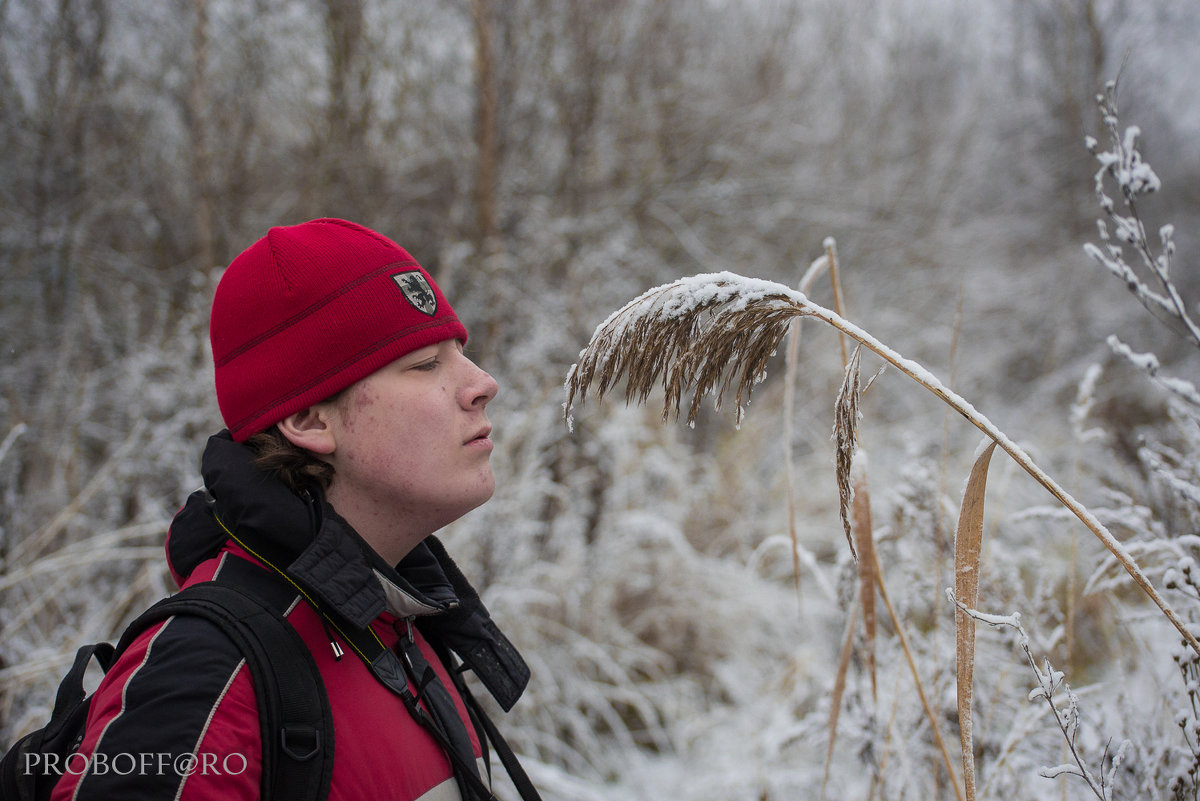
{"x": 481, "y": 434}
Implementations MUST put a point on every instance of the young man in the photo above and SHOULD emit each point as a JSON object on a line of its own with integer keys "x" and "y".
{"x": 356, "y": 427}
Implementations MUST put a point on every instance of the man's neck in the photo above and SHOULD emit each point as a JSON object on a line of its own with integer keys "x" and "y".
{"x": 390, "y": 533}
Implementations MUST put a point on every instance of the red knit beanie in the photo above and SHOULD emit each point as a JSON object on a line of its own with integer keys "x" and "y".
{"x": 308, "y": 310}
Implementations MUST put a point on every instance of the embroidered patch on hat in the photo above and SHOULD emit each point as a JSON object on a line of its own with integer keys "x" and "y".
{"x": 417, "y": 291}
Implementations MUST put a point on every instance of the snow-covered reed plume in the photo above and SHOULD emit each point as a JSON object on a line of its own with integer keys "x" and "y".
{"x": 697, "y": 334}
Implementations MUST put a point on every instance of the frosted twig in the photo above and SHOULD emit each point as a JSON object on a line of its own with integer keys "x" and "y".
{"x": 1149, "y": 364}
{"x": 1049, "y": 683}
{"x": 1185, "y": 578}
{"x": 1124, "y": 165}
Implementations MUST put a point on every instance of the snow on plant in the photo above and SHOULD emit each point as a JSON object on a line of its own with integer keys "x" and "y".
{"x": 712, "y": 334}
{"x": 1185, "y": 781}
{"x": 633, "y": 629}
{"x": 698, "y": 334}
{"x": 704, "y": 334}
{"x": 1123, "y": 164}
{"x": 1052, "y": 688}
{"x": 1174, "y": 466}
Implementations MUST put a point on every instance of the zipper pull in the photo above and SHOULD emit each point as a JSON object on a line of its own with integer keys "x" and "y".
{"x": 333, "y": 643}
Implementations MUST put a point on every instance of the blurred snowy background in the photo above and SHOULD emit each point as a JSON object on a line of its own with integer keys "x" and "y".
{"x": 548, "y": 161}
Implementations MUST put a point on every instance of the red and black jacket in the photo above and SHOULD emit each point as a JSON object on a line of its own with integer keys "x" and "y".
{"x": 176, "y": 718}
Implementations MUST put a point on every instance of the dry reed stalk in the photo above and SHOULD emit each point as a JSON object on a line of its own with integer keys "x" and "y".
{"x": 835, "y": 281}
{"x": 27, "y": 608}
{"x": 34, "y": 544}
{"x": 839, "y": 689}
{"x": 881, "y": 770}
{"x": 61, "y": 561}
{"x": 110, "y": 545}
{"x": 968, "y": 542}
{"x": 912, "y": 666}
{"x": 791, "y": 370}
{"x": 839, "y": 304}
{"x": 852, "y": 480}
{"x": 697, "y": 334}
{"x": 14, "y": 433}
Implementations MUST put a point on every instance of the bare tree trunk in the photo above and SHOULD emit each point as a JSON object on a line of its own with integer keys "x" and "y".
{"x": 347, "y": 74}
{"x": 343, "y": 175}
{"x": 201, "y": 161}
{"x": 485, "y": 130}
{"x": 1070, "y": 38}
{"x": 1098, "y": 55}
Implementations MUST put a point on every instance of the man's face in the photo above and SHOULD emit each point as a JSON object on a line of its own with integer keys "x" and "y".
{"x": 412, "y": 443}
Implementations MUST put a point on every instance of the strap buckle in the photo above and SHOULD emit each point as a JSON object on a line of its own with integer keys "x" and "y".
{"x": 295, "y": 739}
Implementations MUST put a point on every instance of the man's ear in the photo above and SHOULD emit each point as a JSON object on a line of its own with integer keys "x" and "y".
{"x": 310, "y": 429}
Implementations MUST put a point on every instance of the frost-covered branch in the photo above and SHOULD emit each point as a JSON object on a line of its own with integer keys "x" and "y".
{"x": 1149, "y": 364}
{"x": 1122, "y": 163}
{"x": 1051, "y": 685}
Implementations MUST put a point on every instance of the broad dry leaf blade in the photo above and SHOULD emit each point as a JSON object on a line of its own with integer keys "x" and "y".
{"x": 864, "y": 539}
{"x": 967, "y": 546}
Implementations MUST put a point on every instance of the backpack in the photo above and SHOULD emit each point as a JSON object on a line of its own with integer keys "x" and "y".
{"x": 249, "y": 605}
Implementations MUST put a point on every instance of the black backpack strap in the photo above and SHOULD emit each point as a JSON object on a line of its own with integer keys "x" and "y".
{"x": 487, "y": 731}
{"x": 70, "y": 691}
{"x": 394, "y": 669}
{"x": 24, "y": 775}
{"x": 508, "y": 759}
{"x": 249, "y": 605}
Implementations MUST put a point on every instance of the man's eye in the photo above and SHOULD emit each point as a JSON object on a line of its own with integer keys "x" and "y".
{"x": 427, "y": 366}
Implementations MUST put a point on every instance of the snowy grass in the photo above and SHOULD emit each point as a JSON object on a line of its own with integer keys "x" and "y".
{"x": 691, "y": 637}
